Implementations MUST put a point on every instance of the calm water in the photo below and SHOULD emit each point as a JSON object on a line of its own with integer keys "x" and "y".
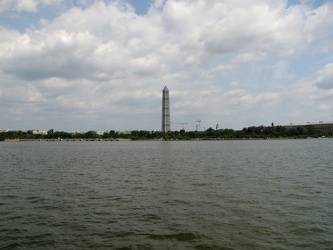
{"x": 167, "y": 195}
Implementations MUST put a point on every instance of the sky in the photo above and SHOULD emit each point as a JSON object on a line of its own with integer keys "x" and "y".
{"x": 81, "y": 65}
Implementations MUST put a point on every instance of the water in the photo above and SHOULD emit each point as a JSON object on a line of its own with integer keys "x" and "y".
{"x": 167, "y": 195}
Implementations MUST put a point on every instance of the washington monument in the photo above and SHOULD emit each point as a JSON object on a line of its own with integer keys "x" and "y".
{"x": 165, "y": 110}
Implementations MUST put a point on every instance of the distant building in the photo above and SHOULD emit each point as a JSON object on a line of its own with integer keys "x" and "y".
{"x": 165, "y": 110}
{"x": 6, "y": 130}
{"x": 316, "y": 126}
{"x": 124, "y": 132}
{"x": 38, "y": 132}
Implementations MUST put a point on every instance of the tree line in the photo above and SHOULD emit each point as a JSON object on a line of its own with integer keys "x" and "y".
{"x": 246, "y": 133}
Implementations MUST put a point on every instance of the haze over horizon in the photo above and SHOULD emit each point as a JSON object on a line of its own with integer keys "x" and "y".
{"x": 84, "y": 65}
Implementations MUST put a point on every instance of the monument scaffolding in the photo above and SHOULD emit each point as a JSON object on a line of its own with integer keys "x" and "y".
{"x": 165, "y": 110}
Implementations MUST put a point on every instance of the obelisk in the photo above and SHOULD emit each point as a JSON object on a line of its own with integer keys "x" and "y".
{"x": 165, "y": 110}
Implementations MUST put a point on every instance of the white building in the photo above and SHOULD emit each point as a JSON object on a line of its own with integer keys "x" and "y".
{"x": 39, "y": 132}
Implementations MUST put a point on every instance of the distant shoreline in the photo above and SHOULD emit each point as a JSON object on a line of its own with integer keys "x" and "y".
{"x": 60, "y": 140}
{"x": 194, "y": 139}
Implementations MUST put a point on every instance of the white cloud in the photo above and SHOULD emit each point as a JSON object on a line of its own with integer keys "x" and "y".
{"x": 80, "y": 41}
{"x": 24, "y": 5}
{"x": 325, "y": 77}
{"x": 222, "y": 60}
{"x": 249, "y": 57}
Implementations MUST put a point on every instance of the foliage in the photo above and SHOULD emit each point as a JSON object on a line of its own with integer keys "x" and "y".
{"x": 260, "y": 132}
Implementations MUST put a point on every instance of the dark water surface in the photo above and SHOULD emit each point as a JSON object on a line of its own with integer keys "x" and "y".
{"x": 167, "y": 195}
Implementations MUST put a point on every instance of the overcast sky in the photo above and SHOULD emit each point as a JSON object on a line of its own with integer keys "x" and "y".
{"x": 84, "y": 65}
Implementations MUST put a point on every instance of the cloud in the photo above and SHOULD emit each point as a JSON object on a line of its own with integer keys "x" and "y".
{"x": 57, "y": 54}
{"x": 93, "y": 43}
{"x": 99, "y": 41}
{"x": 249, "y": 57}
{"x": 222, "y": 60}
{"x": 325, "y": 77}
{"x": 24, "y": 5}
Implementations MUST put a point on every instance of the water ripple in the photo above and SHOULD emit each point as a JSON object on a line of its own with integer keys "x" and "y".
{"x": 167, "y": 195}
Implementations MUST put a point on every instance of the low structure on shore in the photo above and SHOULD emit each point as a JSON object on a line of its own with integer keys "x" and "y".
{"x": 318, "y": 127}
